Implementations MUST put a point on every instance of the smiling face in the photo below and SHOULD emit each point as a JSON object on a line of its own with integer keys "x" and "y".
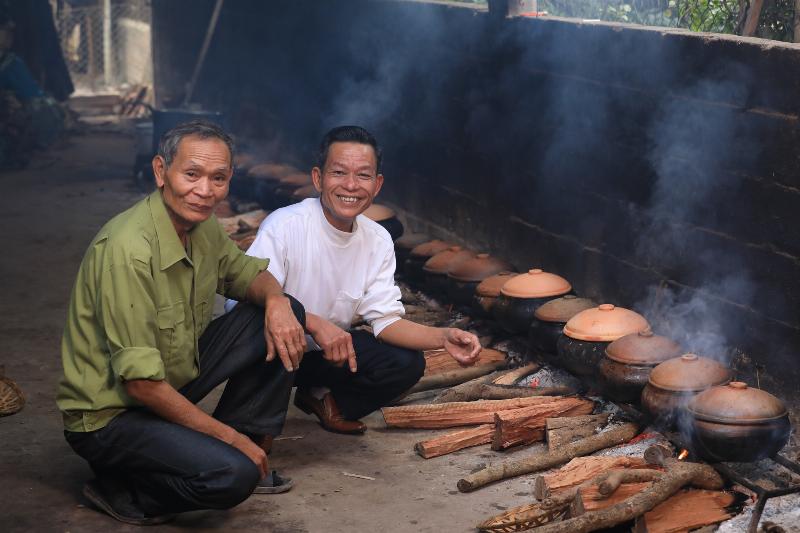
{"x": 347, "y": 183}
{"x": 195, "y": 182}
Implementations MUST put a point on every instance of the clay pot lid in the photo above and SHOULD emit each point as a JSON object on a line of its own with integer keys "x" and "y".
{"x": 272, "y": 171}
{"x": 736, "y": 403}
{"x": 306, "y": 191}
{"x": 297, "y": 179}
{"x": 642, "y": 348}
{"x": 440, "y": 263}
{"x": 604, "y": 323}
{"x": 491, "y": 286}
{"x": 689, "y": 373}
{"x": 430, "y": 248}
{"x": 243, "y": 160}
{"x": 562, "y": 309}
{"x": 536, "y": 283}
{"x": 409, "y": 240}
{"x": 378, "y": 212}
{"x": 478, "y": 268}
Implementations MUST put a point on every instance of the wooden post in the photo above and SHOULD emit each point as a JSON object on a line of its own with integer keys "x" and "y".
{"x": 753, "y": 16}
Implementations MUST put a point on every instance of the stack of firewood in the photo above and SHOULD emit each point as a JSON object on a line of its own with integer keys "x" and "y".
{"x": 241, "y": 227}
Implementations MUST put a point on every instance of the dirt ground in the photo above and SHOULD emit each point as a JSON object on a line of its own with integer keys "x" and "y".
{"x": 50, "y": 211}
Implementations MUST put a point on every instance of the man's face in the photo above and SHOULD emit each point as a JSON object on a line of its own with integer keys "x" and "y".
{"x": 348, "y": 182}
{"x": 196, "y": 181}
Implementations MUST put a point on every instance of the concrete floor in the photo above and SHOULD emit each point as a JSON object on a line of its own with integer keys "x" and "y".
{"x": 50, "y": 212}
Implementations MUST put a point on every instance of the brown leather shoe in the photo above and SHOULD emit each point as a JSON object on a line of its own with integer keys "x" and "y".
{"x": 329, "y": 416}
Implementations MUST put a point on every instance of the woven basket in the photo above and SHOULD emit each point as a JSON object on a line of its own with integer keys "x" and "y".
{"x": 11, "y": 397}
{"x": 522, "y": 518}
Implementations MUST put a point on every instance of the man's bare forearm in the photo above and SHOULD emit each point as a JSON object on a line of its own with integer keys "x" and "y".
{"x": 407, "y": 334}
{"x": 262, "y": 288}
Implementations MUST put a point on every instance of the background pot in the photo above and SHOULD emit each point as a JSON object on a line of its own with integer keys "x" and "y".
{"x": 549, "y": 320}
{"x": 285, "y": 187}
{"x": 673, "y": 383}
{"x": 628, "y": 361}
{"x": 464, "y": 278}
{"x": 406, "y": 243}
{"x": 387, "y": 218}
{"x": 419, "y": 254}
{"x": 587, "y": 334}
{"x": 737, "y": 423}
{"x": 435, "y": 269}
{"x": 486, "y": 293}
{"x": 523, "y": 294}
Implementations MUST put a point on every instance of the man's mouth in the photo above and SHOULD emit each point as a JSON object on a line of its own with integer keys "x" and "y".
{"x": 199, "y": 207}
{"x": 348, "y": 199}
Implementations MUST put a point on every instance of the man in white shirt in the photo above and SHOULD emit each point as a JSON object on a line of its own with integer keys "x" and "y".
{"x": 341, "y": 265}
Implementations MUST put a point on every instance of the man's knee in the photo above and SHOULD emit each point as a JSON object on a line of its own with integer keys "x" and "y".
{"x": 228, "y": 486}
{"x": 410, "y": 365}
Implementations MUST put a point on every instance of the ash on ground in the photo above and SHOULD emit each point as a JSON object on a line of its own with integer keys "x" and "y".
{"x": 782, "y": 512}
{"x": 549, "y": 376}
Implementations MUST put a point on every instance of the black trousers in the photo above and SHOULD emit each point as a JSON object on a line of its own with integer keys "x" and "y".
{"x": 169, "y": 468}
{"x": 384, "y": 372}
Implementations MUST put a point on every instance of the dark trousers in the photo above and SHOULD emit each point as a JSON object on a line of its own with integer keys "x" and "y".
{"x": 384, "y": 372}
{"x": 169, "y": 468}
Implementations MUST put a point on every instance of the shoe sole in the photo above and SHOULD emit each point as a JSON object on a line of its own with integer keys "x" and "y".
{"x": 102, "y": 505}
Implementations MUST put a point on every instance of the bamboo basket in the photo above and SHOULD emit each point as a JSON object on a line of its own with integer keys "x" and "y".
{"x": 523, "y": 518}
{"x": 11, "y": 398}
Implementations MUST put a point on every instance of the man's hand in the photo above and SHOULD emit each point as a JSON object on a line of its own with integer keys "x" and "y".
{"x": 284, "y": 334}
{"x": 336, "y": 343}
{"x": 253, "y": 451}
{"x": 462, "y": 345}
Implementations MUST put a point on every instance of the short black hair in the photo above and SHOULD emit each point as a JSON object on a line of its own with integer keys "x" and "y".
{"x": 348, "y": 134}
{"x": 168, "y": 145}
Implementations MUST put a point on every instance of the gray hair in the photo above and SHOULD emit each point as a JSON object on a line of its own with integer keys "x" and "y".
{"x": 168, "y": 145}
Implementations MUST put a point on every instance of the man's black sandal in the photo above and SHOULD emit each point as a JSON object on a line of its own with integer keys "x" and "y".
{"x": 124, "y": 512}
{"x": 272, "y": 483}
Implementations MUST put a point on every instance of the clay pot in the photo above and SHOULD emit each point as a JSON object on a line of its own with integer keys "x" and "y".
{"x": 435, "y": 269}
{"x": 243, "y": 161}
{"x": 549, "y": 321}
{"x": 463, "y": 278}
{"x": 523, "y": 294}
{"x": 406, "y": 243}
{"x": 487, "y": 291}
{"x": 271, "y": 171}
{"x": 737, "y": 423}
{"x": 419, "y": 254}
{"x": 306, "y": 191}
{"x": 628, "y": 361}
{"x": 587, "y": 334}
{"x": 673, "y": 383}
{"x": 387, "y": 218}
{"x": 286, "y": 186}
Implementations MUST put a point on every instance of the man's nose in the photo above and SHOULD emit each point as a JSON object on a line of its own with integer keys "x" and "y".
{"x": 351, "y": 182}
{"x": 203, "y": 187}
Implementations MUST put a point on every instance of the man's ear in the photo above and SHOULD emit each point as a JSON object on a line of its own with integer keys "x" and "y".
{"x": 159, "y": 170}
{"x": 316, "y": 178}
{"x": 378, "y": 183}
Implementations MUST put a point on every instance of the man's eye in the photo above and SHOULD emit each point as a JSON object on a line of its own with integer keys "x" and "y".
{"x": 191, "y": 173}
{"x": 365, "y": 177}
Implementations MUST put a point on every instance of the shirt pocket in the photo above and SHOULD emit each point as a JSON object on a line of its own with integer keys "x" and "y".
{"x": 204, "y": 307}
{"x": 344, "y": 309}
{"x": 171, "y": 336}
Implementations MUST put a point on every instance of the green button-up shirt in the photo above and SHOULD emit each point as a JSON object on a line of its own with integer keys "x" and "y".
{"x": 139, "y": 305}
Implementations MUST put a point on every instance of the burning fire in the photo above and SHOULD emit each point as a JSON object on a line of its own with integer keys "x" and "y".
{"x": 683, "y": 454}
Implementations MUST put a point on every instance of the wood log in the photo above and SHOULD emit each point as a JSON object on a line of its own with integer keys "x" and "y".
{"x": 481, "y": 390}
{"x": 753, "y": 16}
{"x": 580, "y": 470}
{"x": 454, "y": 377}
{"x": 543, "y": 461}
{"x": 589, "y": 499}
{"x": 677, "y": 475}
{"x": 467, "y": 391}
{"x": 454, "y": 441}
{"x": 512, "y": 376}
{"x": 526, "y": 426}
{"x": 566, "y": 430}
{"x": 687, "y": 510}
{"x": 447, "y": 415}
{"x": 438, "y": 361}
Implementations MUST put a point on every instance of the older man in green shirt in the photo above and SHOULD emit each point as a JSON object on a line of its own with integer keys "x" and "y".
{"x": 140, "y": 349}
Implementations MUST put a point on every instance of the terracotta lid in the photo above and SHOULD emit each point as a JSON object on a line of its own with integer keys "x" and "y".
{"x": 536, "y": 283}
{"x": 736, "y": 403}
{"x": 478, "y": 268}
{"x": 643, "y": 348}
{"x": 306, "y": 191}
{"x": 271, "y": 171}
{"x": 410, "y": 240}
{"x": 562, "y": 309}
{"x": 446, "y": 259}
{"x": 604, "y": 323}
{"x": 491, "y": 286}
{"x": 689, "y": 373}
{"x": 297, "y": 179}
{"x": 378, "y": 212}
{"x": 243, "y": 160}
{"x": 430, "y": 248}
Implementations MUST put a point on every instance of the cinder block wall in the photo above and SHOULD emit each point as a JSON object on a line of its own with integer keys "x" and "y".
{"x": 655, "y": 169}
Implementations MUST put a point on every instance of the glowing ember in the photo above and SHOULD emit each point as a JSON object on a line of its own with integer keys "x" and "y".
{"x": 682, "y": 455}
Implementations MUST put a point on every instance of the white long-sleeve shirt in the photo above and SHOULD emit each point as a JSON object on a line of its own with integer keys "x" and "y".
{"x": 336, "y": 275}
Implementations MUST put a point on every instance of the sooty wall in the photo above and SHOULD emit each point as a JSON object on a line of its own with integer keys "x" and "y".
{"x": 655, "y": 169}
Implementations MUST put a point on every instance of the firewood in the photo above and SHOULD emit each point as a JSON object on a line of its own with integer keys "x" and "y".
{"x": 467, "y": 391}
{"x": 447, "y": 415}
{"x": 589, "y": 498}
{"x": 454, "y": 441}
{"x": 481, "y": 390}
{"x": 454, "y": 377}
{"x": 566, "y": 430}
{"x": 438, "y": 361}
{"x": 677, "y": 475}
{"x": 687, "y": 510}
{"x": 580, "y": 470}
{"x": 512, "y": 376}
{"x": 543, "y": 461}
{"x": 525, "y": 426}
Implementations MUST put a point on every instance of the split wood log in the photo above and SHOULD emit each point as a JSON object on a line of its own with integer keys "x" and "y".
{"x": 447, "y": 415}
{"x": 562, "y": 431}
{"x": 687, "y": 510}
{"x": 526, "y": 426}
{"x": 476, "y": 390}
{"x": 543, "y": 461}
{"x": 677, "y": 475}
{"x": 589, "y": 499}
{"x": 512, "y": 376}
{"x": 580, "y": 470}
{"x": 454, "y": 377}
{"x": 457, "y": 440}
{"x": 438, "y": 361}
